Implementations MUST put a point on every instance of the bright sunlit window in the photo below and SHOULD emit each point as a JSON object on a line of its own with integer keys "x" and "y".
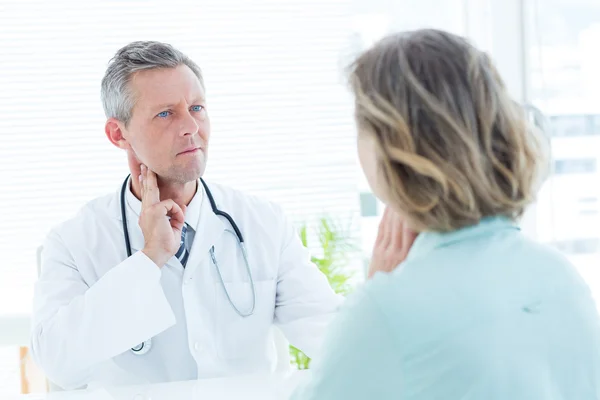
{"x": 564, "y": 83}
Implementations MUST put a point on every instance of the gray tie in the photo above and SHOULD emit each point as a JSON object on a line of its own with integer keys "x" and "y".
{"x": 182, "y": 254}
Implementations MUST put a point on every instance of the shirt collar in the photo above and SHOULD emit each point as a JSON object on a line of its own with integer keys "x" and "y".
{"x": 192, "y": 213}
{"x": 427, "y": 241}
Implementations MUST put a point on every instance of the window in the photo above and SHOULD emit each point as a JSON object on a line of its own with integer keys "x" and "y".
{"x": 578, "y": 125}
{"x": 575, "y": 166}
{"x": 580, "y": 246}
{"x": 368, "y": 205}
{"x": 596, "y": 125}
{"x": 563, "y": 61}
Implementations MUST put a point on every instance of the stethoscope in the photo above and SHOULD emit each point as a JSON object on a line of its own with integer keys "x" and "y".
{"x": 145, "y": 347}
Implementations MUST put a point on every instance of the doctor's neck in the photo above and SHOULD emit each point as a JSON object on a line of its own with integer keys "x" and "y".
{"x": 180, "y": 193}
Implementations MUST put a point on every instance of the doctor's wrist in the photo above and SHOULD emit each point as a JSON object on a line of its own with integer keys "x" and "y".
{"x": 159, "y": 257}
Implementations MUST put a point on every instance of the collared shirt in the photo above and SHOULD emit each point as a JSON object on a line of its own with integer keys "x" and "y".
{"x": 479, "y": 313}
{"x": 192, "y": 212}
{"x": 426, "y": 242}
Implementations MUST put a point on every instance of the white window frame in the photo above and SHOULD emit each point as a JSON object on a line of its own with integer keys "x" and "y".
{"x": 498, "y": 27}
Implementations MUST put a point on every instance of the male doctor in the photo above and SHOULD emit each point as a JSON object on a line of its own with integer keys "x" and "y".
{"x": 188, "y": 302}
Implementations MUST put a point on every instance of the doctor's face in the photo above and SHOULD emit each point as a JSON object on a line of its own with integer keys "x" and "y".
{"x": 169, "y": 128}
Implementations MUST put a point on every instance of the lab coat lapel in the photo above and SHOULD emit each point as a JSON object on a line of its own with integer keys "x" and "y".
{"x": 209, "y": 230}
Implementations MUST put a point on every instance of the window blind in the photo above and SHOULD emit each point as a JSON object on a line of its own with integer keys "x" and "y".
{"x": 281, "y": 116}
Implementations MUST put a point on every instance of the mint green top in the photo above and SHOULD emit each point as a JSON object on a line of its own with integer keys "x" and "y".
{"x": 480, "y": 313}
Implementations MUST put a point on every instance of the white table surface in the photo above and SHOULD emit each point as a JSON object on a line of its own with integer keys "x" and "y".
{"x": 250, "y": 387}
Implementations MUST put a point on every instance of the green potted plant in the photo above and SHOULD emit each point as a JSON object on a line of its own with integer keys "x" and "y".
{"x": 332, "y": 255}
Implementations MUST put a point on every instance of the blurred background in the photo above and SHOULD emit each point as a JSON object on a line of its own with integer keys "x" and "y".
{"x": 282, "y": 124}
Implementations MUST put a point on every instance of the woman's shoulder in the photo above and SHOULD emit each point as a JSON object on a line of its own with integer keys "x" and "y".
{"x": 471, "y": 281}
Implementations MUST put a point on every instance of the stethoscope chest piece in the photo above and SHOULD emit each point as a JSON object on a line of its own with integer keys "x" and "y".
{"x": 142, "y": 348}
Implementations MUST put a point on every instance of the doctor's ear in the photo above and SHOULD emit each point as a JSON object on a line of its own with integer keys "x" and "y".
{"x": 114, "y": 133}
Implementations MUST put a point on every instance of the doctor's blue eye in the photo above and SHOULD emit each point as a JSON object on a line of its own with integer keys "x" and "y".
{"x": 163, "y": 114}
{"x": 197, "y": 108}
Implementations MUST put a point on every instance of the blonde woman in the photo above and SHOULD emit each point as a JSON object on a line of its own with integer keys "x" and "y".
{"x": 461, "y": 304}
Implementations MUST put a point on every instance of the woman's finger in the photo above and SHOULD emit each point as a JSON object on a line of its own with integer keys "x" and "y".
{"x": 397, "y": 229}
{"x": 382, "y": 230}
{"x": 408, "y": 239}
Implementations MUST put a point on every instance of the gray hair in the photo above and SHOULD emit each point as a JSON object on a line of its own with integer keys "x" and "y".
{"x": 117, "y": 99}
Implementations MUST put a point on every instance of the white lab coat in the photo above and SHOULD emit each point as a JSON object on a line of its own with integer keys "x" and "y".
{"x": 92, "y": 303}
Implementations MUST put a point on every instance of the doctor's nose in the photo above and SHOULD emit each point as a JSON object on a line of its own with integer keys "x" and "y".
{"x": 189, "y": 125}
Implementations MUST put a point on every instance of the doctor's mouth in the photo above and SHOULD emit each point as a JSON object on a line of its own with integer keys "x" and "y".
{"x": 190, "y": 151}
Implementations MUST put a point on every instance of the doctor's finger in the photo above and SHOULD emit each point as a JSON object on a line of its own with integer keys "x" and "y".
{"x": 142, "y": 178}
{"x": 151, "y": 193}
{"x": 173, "y": 210}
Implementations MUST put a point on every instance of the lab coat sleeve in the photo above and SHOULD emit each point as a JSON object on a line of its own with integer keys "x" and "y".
{"x": 77, "y": 327}
{"x": 305, "y": 302}
{"x": 360, "y": 357}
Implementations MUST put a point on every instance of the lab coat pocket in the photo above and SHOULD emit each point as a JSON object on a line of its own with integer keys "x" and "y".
{"x": 239, "y": 336}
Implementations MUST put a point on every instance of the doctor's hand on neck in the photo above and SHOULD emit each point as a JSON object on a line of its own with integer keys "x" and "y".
{"x": 161, "y": 221}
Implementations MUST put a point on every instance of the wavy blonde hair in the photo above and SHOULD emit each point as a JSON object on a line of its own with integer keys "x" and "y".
{"x": 452, "y": 146}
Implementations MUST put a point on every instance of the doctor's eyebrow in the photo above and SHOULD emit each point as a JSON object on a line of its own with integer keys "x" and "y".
{"x": 197, "y": 100}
